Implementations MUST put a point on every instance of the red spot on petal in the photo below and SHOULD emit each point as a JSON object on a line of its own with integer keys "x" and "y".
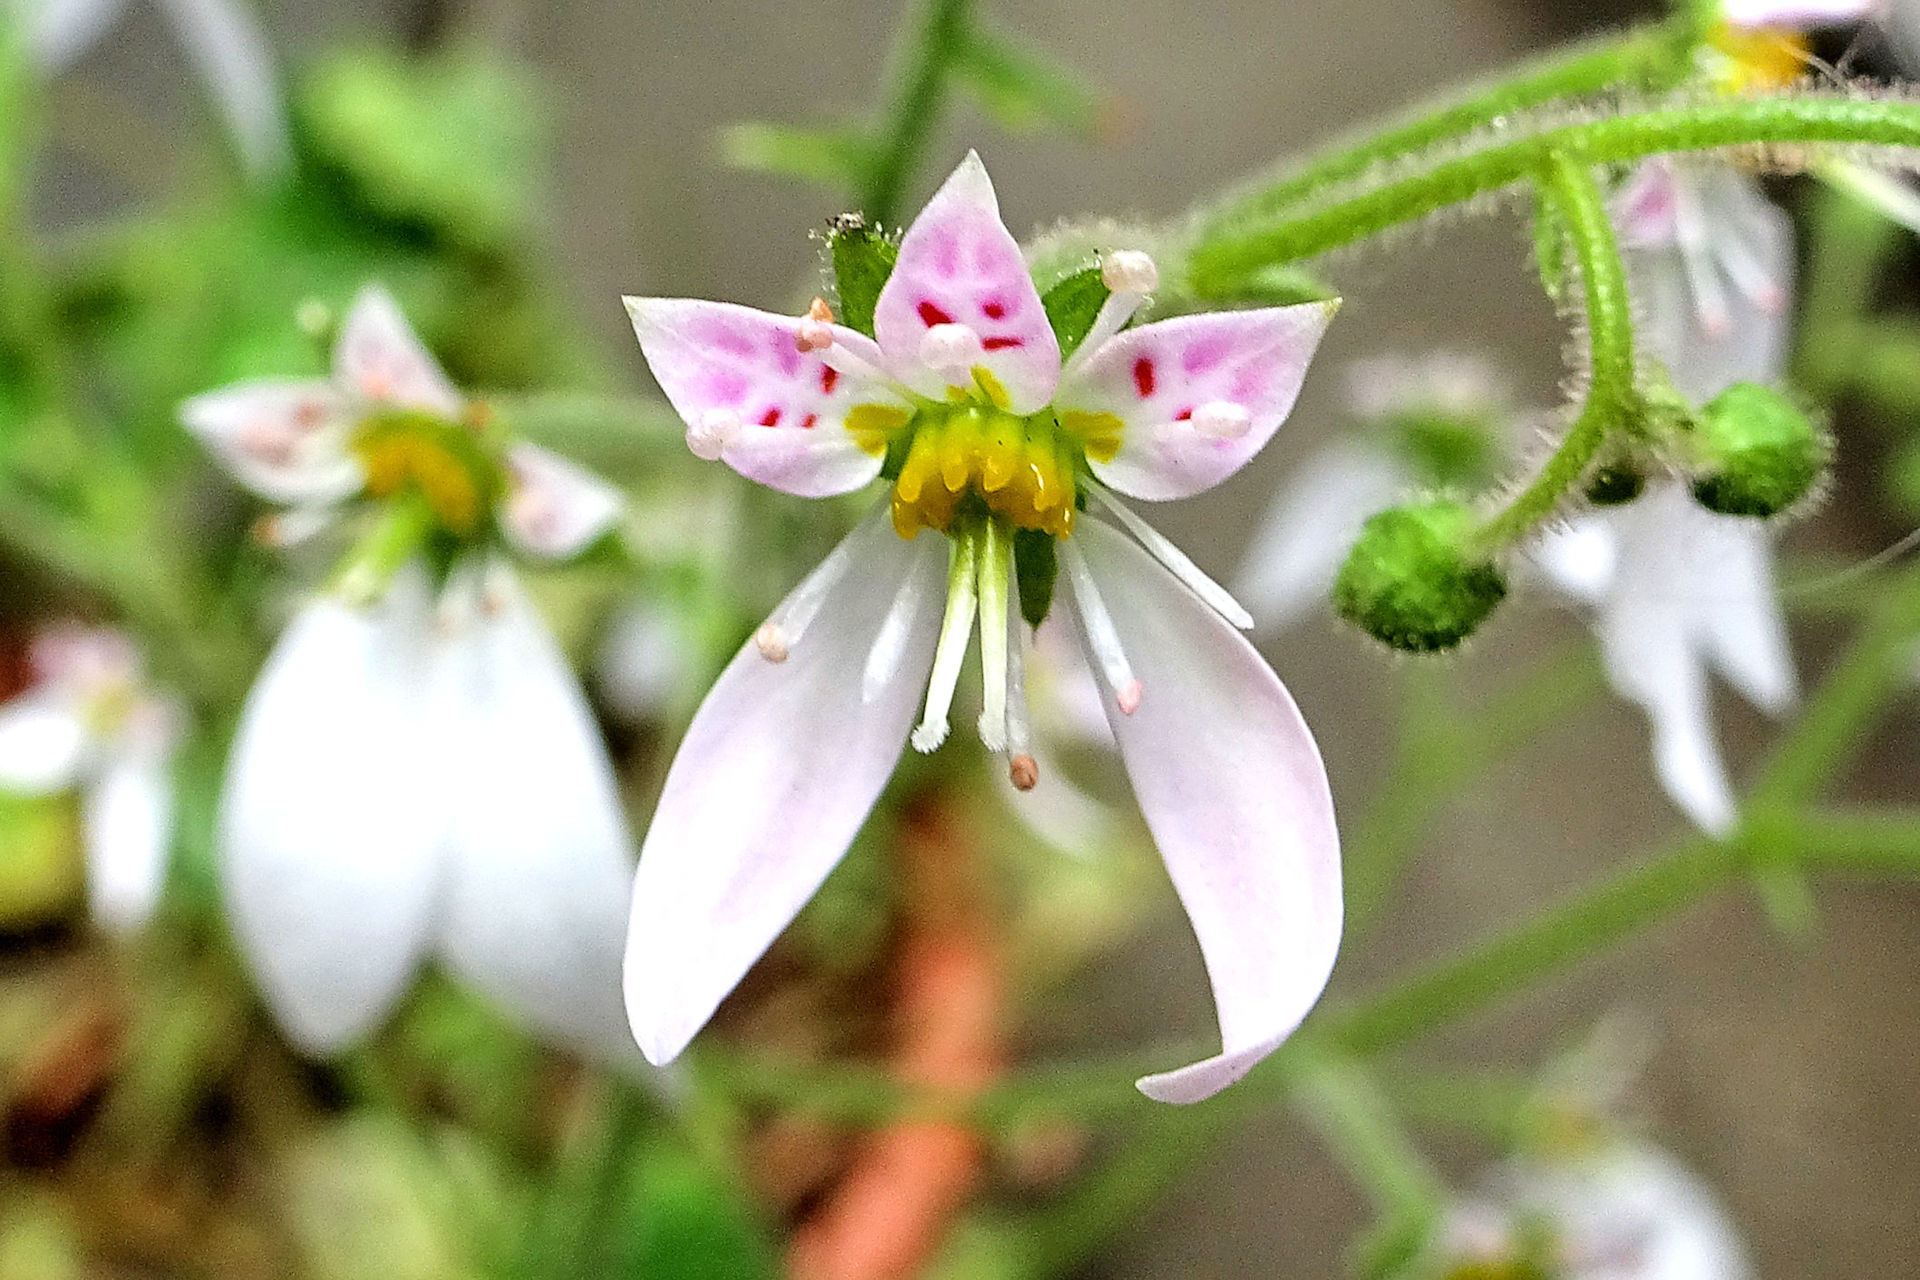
{"x": 1143, "y": 377}
{"x": 771, "y": 418}
{"x": 930, "y": 315}
{"x": 810, "y": 420}
{"x": 1001, "y": 344}
{"x": 828, "y": 377}
{"x": 1183, "y": 415}
{"x": 994, "y": 311}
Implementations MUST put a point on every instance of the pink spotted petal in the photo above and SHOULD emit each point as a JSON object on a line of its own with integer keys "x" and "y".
{"x": 959, "y": 265}
{"x": 1233, "y": 790}
{"x": 1156, "y": 378}
{"x": 379, "y": 357}
{"x": 776, "y": 774}
{"x": 284, "y": 440}
{"x": 789, "y": 407}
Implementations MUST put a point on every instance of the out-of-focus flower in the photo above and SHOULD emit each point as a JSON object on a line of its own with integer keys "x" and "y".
{"x": 227, "y": 46}
{"x": 89, "y": 722}
{"x": 1678, "y": 590}
{"x": 1428, "y": 423}
{"x": 416, "y": 769}
{"x": 1623, "y": 1212}
{"x": 646, "y": 660}
{"x": 997, "y": 441}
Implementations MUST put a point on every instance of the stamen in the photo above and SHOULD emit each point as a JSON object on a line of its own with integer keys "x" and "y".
{"x": 782, "y": 631}
{"x": 1131, "y": 275}
{"x": 995, "y": 576}
{"x": 1222, "y": 420}
{"x": 849, "y": 365}
{"x": 950, "y": 349}
{"x": 954, "y": 630}
{"x": 816, "y": 328}
{"x": 290, "y": 527}
{"x": 1021, "y": 766}
{"x": 1129, "y": 271}
{"x": 1697, "y": 259}
{"x": 890, "y": 644}
{"x": 709, "y": 437}
{"x": 1102, "y": 637}
{"x": 1161, "y": 548}
{"x": 1748, "y": 274}
{"x": 1024, "y": 771}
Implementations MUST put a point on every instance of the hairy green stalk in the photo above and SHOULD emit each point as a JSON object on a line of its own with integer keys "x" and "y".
{"x": 912, "y": 104}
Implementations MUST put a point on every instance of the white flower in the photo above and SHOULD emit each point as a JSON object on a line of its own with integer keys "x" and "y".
{"x": 89, "y": 722}
{"x": 997, "y": 440}
{"x": 1624, "y": 1212}
{"x": 1677, "y": 589}
{"x": 419, "y": 774}
{"x": 221, "y": 36}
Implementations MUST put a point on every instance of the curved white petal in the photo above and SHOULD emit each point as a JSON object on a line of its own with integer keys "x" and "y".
{"x": 1742, "y": 629}
{"x": 1234, "y": 792}
{"x": 1314, "y": 521}
{"x": 1630, "y": 1213}
{"x": 535, "y": 911}
{"x": 960, "y": 267}
{"x": 557, "y": 508}
{"x": 1580, "y": 558}
{"x": 128, "y": 814}
{"x": 236, "y": 64}
{"x": 1798, "y": 14}
{"x": 772, "y": 412}
{"x": 775, "y": 776}
{"x": 1197, "y": 396}
{"x": 379, "y": 357}
{"x": 285, "y": 440}
{"x": 330, "y": 850}
{"x": 42, "y": 743}
{"x": 60, "y": 31}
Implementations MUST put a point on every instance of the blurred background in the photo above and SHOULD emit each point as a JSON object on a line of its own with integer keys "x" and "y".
{"x": 1782, "y": 1069}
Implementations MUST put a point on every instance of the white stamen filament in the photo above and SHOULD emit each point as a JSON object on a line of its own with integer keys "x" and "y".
{"x": 709, "y": 437}
{"x": 890, "y": 644}
{"x": 783, "y": 629}
{"x": 1021, "y": 766}
{"x": 1697, "y": 259}
{"x": 1111, "y": 319}
{"x": 950, "y": 349}
{"x": 1748, "y": 274}
{"x": 955, "y": 628}
{"x": 995, "y": 574}
{"x": 856, "y": 369}
{"x": 1162, "y": 549}
{"x": 1102, "y": 637}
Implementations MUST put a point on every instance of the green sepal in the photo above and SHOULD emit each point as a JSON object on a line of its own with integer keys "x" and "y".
{"x": 1550, "y": 250}
{"x": 1072, "y": 305}
{"x": 1412, "y": 581}
{"x": 863, "y": 258}
{"x": 1759, "y": 452}
{"x": 1036, "y": 567}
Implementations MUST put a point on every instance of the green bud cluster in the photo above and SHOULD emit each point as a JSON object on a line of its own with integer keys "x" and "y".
{"x": 1413, "y": 580}
{"x": 1758, "y": 453}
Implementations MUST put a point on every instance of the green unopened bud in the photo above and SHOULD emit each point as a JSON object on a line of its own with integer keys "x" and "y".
{"x": 1759, "y": 453}
{"x": 1412, "y": 582}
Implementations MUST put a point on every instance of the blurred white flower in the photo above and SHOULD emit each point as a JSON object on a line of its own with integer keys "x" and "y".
{"x": 419, "y": 773}
{"x": 1676, "y": 589}
{"x": 1624, "y": 1212}
{"x": 646, "y": 660}
{"x": 222, "y": 37}
{"x": 89, "y": 722}
{"x": 1314, "y": 520}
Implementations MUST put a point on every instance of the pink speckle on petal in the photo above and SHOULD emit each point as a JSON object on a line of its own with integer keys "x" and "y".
{"x": 1001, "y": 344}
{"x": 931, "y": 315}
{"x": 994, "y": 310}
{"x": 1183, "y": 416}
{"x": 771, "y": 418}
{"x": 807, "y": 424}
{"x": 946, "y": 256}
{"x": 1204, "y": 355}
{"x": 1143, "y": 377}
{"x": 828, "y": 377}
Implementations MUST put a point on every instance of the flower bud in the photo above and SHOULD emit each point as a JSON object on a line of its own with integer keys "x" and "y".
{"x": 1411, "y": 581}
{"x": 1759, "y": 454}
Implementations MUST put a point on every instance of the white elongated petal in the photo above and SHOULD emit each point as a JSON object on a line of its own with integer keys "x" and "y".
{"x": 1234, "y": 792}
{"x": 236, "y": 63}
{"x": 330, "y": 852}
{"x": 1581, "y": 558}
{"x": 1743, "y": 631}
{"x": 751, "y": 397}
{"x": 775, "y": 776}
{"x": 285, "y": 440}
{"x": 59, "y": 31}
{"x": 128, "y": 814}
{"x": 556, "y": 508}
{"x": 1798, "y": 14}
{"x": 1630, "y": 1213}
{"x": 379, "y": 357}
{"x": 1197, "y": 396}
{"x": 535, "y": 912}
{"x": 960, "y": 272}
{"x": 42, "y": 743}
{"x": 1297, "y": 550}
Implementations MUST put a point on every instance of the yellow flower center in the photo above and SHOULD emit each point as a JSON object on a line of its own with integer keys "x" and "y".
{"x": 1755, "y": 59}
{"x": 449, "y": 464}
{"x": 1019, "y": 468}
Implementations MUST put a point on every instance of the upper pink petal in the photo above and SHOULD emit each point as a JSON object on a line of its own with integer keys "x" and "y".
{"x": 959, "y": 265}
{"x": 1234, "y": 792}
{"x": 1157, "y": 378}
{"x": 790, "y": 406}
{"x": 556, "y": 508}
{"x": 285, "y": 440}
{"x": 379, "y": 357}
{"x": 777, "y": 772}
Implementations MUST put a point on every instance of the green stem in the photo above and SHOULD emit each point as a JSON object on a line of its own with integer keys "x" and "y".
{"x": 1222, "y": 258}
{"x": 1652, "y": 57}
{"x": 1341, "y": 1101}
{"x": 912, "y": 103}
{"x": 1611, "y": 399}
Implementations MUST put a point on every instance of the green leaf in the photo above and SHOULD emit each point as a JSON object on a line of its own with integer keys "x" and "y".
{"x": 863, "y": 258}
{"x": 692, "y": 1224}
{"x": 1035, "y": 567}
{"x": 1024, "y": 89}
{"x": 840, "y": 158}
{"x": 1071, "y": 306}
